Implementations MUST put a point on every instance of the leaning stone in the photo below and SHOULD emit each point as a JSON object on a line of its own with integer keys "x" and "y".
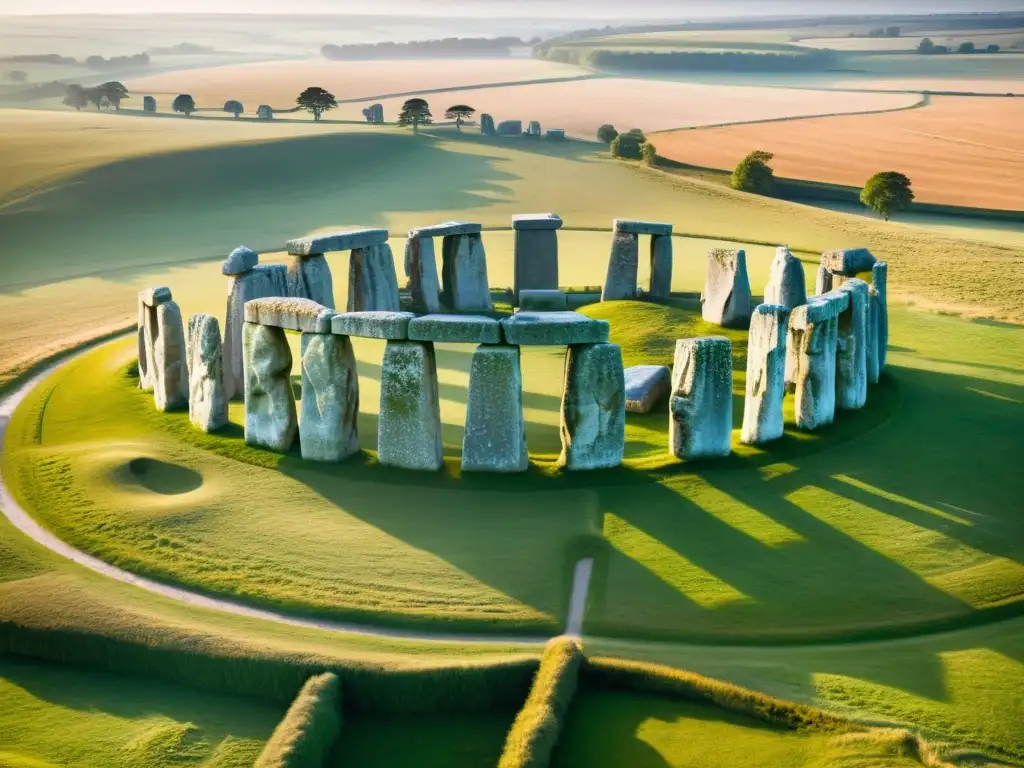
{"x": 240, "y": 261}
{"x": 593, "y": 417}
{"x": 373, "y": 325}
{"x": 823, "y": 281}
{"x": 409, "y": 428}
{"x": 726, "y": 298}
{"x": 465, "y": 287}
{"x": 291, "y": 314}
{"x": 787, "y": 285}
{"x": 309, "y": 277}
{"x": 536, "y": 221}
{"x": 170, "y": 366}
{"x": 347, "y": 240}
{"x": 620, "y": 279}
{"x": 261, "y": 281}
{"x": 495, "y": 436}
{"x": 421, "y": 267}
{"x": 542, "y": 301}
{"x": 851, "y": 348}
{"x": 811, "y": 344}
{"x": 766, "y": 374}
{"x": 661, "y": 267}
{"x": 849, "y": 262}
{"x": 641, "y": 227}
{"x": 447, "y": 229}
{"x": 270, "y": 417}
{"x": 455, "y": 329}
{"x": 553, "y": 329}
{"x": 879, "y": 279}
{"x": 154, "y": 297}
{"x": 700, "y": 409}
{"x": 645, "y": 386}
{"x": 330, "y": 398}
{"x": 372, "y": 282}
{"x": 207, "y": 402}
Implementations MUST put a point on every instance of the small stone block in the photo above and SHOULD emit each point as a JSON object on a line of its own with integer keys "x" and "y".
{"x": 291, "y": 314}
{"x": 393, "y": 326}
{"x": 455, "y": 329}
{"x": 632, "y": 227}
{"x": 154, "y": 297}
{"x": 542, "y": 301}
{"x": 554, "y": 329}
{"x": 337, "y": 241}
{"x": 240, "y": 261}
{"x": 447, "y": 229}
{"x": 849, "y": 262}
{"x": 537, "y": 221}
{"x": 645, "y": 386}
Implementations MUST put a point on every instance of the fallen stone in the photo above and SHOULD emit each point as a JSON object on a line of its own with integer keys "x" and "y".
{"x": 543, "y": 301}
{"x": 811, "y": 344}
{"x": 510, "y": 128}
{"x": 849, "y": 262}
{"x": 766, "y": 374}
{"x": 372, "y": 281}
{"x": 645, "y": 386}
{"x": 700, "y": 409}
{"x": 464, "y": 283}
{"x": 535, "y": 260}
{"x": 823, "y": 281}
{"x": 620, "y": 279}
{"x": 347, "y": 240}
{"x": 487, "y": 125}
{"x": 455, "y": 329}
{"x": 726, "y": 299}
{"x": 270, "y": 417}
{"x": 536, "y": 221}
{"x": 261, "y": 281}
{"x": 409, "y": 428}
{"x": 240, "y": 261}
{"x": 373, "y": 325}
{"x": 207, "y": 401}
{"x": 556, "y": 134}
{"x": 447, "y": 229}
{"x": 593, "y": 417}
{"x": 495, "y": 436}
{"x": 660, "y": 286}
{"x": 787, "y": 284}
{"x": 553, "y": 329}
{"x": 170, "y": 366}
{"x": 851, "y": 348}
{"x": 641, "y": 227}
{"x": 291, "y": 314}
{"x": 154, "y": 297}
{"x": 421, "y": 268}
{"x": 880, "y": 279}
{"x": 330, "y": 398}
{"x": 309, "y": 277}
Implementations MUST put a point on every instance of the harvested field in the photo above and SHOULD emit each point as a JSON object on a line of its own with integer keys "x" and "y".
{"x": 651, "y": 105}
{"x": 957, "y": 151}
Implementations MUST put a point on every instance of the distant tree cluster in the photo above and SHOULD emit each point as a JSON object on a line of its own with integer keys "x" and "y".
{"x": 698, "y": 61}
{"x": 104, "y": 96}
{"x": 424, "y": 49}
{"x": 882, "y": 32}
{"x": 182, "y": 49}
{"x": 93, "y": 62}
{"x": 753, "y": 174}
{"x": 16, "y": 76}
{"x": 632, "y": 144}
{"x": 927, "y": 47}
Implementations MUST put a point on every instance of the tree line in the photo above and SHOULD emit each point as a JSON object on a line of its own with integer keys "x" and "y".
{"x": 109, "y": 94}
{"x": 92, "y": 62}
{"x": 425, "y": 49}
{"x": 703, "y": 61}
{"x": 927, "y": 47}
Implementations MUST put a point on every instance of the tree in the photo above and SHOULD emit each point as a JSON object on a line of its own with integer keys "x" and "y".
{"x": 886, "y": 193}
{"x": 628, "y": 145}
{"x": 415, "y": 112}
{"x": 76, "y": 97}
{"x": 753, "y": 174}
{"x": 967, "y": 47}
{"x": 234, "y": 107}
{"x": 649, "y": 153}
{"x": 926, "y": 46}
{"x": 96, "y": 97}
{"x": 316, "y": 101}
{"x": 607, "y": 133}
{"x": 16, "y": 76}
{"x": 114, "y": 92}
{"x": 184, "y": 103}
{"x": 458, "y": 113}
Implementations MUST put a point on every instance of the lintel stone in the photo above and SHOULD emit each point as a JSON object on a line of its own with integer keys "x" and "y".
{"x": 345, "y": 240}
{"x": 554, "y": 329}
{"x": 848, "y": 262}
{"x": 537, "y": 221}
{"x": 393, "y": 326}
{"x": 447, "y": 229}
{"x": 291, "y": 314}
{"x": 455, "y": 329}
{"x": 634, "y": 227}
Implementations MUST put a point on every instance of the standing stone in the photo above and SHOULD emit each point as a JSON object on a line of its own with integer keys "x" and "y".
{"x": 823, "y": 281}
{"x": 593, "y": 418}
{"x": 851, "y": 348}
{"x": 879, "y": 279}
{"x": 536, "y": 252}
{"x": 661, "y": 267}
{"x": 409, "y": 428}
{"x": 309, "y": 277}
{"x": 872, "y": 336}
{"x": 813, "y": 332}
{"x": 510, "y": 128}
{"x": 421, "y": 269}
{"x": 533, "y": 129}
{"x": 487, "y": 125}
{"x": 330, "y": 398}
{"x": 170, "y": 367}
{"x": 465, "y": 287}
{"x": 726, "y": 298}
{"x": 620, "y": 280}
{"x": 786, "y": 283}
{"x": 207, "y": 403}
{"x": 700, "y": 409}
{"x": 270, "y": 416}
{"x": 372, "y": 282}
{"x": 495, "y": 437}
{"x": 265, "y": 112}
{"x": 248, "y": 280}
{"x": 766, "y": 374}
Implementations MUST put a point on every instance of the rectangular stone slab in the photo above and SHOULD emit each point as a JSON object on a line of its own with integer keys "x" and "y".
{"x": 446, "y": 229}
{"x": 849, "y": 262}
{"x": 346, "y": 240}
{"x": 409, "y": 427}
{"x": 700, "y": 409}
{"x": 291, "y": 314}
{"x": 539, "y": 300}
{"x": 153, "y": 297}
{"x": 634, "y": 227}
{"x": 537, "y": 221}
{"x": 373, "y": 325}
{"x": 554, "y": 329}
{"x": 455, "y": 329}
{"x": 495, "y": 436}
{"x": 592, "y": 422}
{"x": 645, "y": 386}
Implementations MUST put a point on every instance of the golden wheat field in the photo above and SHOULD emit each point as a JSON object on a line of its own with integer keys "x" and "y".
{"x": 956, "y": 151}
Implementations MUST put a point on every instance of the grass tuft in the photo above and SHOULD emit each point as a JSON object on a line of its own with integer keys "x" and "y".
{"x": 305, "y": 736}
